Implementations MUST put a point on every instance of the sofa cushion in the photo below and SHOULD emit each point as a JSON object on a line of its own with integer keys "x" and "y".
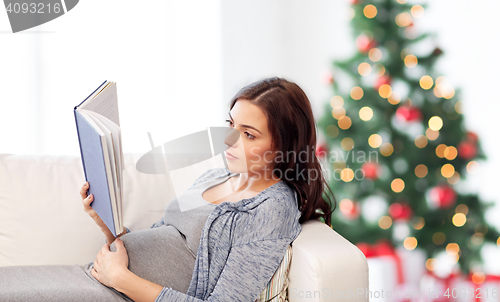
{"x": 41, "y": 214}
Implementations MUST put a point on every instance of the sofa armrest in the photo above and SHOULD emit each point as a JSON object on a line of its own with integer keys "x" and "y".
{"x": 325, "y": 266}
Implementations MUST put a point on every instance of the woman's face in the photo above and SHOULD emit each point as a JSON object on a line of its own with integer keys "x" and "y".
{"x": 252, "y": 150}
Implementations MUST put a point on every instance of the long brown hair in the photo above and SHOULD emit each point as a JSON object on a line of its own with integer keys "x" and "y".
{"x": 291, "y": 123}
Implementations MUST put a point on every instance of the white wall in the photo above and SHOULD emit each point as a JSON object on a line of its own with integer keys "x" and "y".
{"x": 290, "y": 38}
{"x": 165, "y": 58}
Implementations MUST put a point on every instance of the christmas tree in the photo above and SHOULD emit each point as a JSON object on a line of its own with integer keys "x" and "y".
{"x": 396, "y": 143}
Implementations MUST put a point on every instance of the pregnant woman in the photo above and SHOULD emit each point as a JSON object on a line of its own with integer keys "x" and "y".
{"x": 226, "y": 249}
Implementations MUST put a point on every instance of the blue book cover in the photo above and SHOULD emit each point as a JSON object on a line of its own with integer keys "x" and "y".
{"x": 94, "y": 167}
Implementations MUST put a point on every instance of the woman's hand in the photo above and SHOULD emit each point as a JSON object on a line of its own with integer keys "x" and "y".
{"x": 87, "y": 200}
{"x": 110, "y": 267}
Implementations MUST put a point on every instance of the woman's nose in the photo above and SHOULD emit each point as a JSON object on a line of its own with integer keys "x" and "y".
{"x": 232, "y": 137}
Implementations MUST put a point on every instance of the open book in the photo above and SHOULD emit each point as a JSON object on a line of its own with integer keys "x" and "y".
{"x": 98, "y": 128}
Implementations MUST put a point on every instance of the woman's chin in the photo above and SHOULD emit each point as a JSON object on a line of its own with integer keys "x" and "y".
{"x": 235, "y": 168}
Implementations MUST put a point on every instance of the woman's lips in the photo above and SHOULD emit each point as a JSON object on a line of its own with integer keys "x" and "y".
{"x": 230, "y": 156}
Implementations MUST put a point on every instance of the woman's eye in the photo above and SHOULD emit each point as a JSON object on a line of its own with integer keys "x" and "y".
{"x": 249, "y": 135}
{"x": 246, "y": 133}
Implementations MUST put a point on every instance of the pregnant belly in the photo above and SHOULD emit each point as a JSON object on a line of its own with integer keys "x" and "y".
{"x": 160, "y": 255}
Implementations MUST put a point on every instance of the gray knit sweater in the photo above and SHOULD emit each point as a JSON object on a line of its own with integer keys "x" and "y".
{"x": 241, "y": 245}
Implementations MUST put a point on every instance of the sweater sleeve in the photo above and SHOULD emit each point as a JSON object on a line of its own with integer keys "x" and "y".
{"x": 247, "y": 271}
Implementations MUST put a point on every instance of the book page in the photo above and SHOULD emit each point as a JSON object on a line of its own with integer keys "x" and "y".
{"x": 114, "y": 189}
{"x": 117, "y": 156}
{"x": 117, "y": 146}
{"x": 105, "y": 103}
{"x": 93, "y": 95}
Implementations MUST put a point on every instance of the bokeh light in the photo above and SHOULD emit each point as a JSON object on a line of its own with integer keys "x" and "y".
{"x": 344, "y": 122}
{"x": 435, "y": 123}
{"x": 338, "y": 112}
{"x": 380, "y": 69}
{"x": 375, "y": 54}
{"x": 431, "y": 263}
{"x": 478, "y": 277}
{"x": 411, "y": 61}
{"x": 356, "y": 93}
{"x": 454, "y": 179}
{"x": 366, "y": 113}
{"x": 461, "y": 208}
{"x": 450, "y": 153}
{"x": 336, "y": 101}
{"x": 386, "y": 149}
{"x": 452, "y": 248}
{"x": 459, "y": 219}
{"x": 438, "y": 238}
{"x": 447, "y": 170}
{"x": 375, "y": 140}
{"x": 364, "y": 69}
{"x": 403, "y": 19}
{"x": 394, "y": 98}
{"x": 397, "y": 185}
{"x": 332, "y": 131}
{"x": 347, "y": 143}
{"x": 426, "y": 82}
{"x": 417, "y": 11}
{"x": 347, "y": 175}
{"x": 421, "y": 141}
{"x": 385, "y": 91}
{"x": 431, "y": 134}
{"x": 385, "y": 222}
{"x": 440, "y": 150}
{"x": 370, "y": 11}
{"x": 418, "y": 223}
{"x": 472, "y": 166}
{"x": 421, "y": 171}
{"x": 410, "y": 243}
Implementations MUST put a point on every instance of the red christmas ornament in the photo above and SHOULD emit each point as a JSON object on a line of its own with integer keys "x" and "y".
{"x": 321, "y": 151}
{"x": 365, "y": 43}
{"x": 382, "y": 80}
{"x": 354, "y": 2}
{"x": 467, "y": 150}
{"x": 443, "y": 196}
{"x": 409, "y": 114}
{"x": 371, "y": 170}
{"x": 471, "y": 136}
{"x": 400, "y": 211}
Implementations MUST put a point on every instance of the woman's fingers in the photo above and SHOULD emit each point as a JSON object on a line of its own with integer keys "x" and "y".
{"x": 93, "y": 272}
{"x": 105, "y": 249}
{"x": 119, "y": 244}
{"x": 83, "y": 190}
{"x": 88, "y": 200}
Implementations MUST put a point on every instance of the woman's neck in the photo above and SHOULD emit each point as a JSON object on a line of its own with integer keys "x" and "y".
{"x": 254, "y": 182}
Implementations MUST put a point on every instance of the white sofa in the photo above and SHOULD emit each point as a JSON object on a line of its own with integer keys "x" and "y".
{"x": 42, "y": 222}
